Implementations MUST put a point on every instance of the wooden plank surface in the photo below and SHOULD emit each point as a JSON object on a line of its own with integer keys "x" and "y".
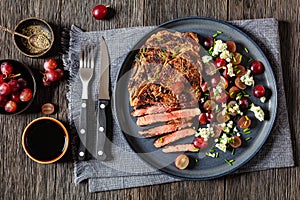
{"x": 23, "y": 179}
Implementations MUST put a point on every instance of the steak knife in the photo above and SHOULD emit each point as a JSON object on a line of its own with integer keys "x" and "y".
{"x": 103, "y": 101}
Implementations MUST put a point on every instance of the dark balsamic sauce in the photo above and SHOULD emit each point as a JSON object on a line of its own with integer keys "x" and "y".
{"x": 45, "y": 140}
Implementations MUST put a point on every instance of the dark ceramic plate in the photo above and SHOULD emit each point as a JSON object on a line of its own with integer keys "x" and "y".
{"x": 207, "y": 167}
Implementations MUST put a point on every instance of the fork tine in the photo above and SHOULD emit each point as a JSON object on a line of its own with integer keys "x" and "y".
{"x": 81, "y": 57}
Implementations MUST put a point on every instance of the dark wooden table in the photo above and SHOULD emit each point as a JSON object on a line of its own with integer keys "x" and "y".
{"x": 21, "y": 178}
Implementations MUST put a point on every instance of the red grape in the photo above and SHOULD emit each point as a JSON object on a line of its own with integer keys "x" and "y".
{"x": 15, "y": 97}
{"x": 50, "y": 64}
{"x": 239, "y": 70}
{"x": 22, "y": 82}
{"x": 259, "y": 91}
{"x": 200, "y": 143}
{"x": 14, "y": 85}
{"x": 235, "y": 142}
{"x": 99, "y": 12}
{"x": 60, "y": 73}
{"x": 233, "y": 91}
{"x": 244, "y": 103}
{"x": 215, "y": 80}
{"x": 257, "y": 67}
{"x": 244, "y": 122}
{"x": 6, "y": 68}
{"x": 219, "y": 62}
{"x": 231, "y": 46}
{"x": 209, "y": 105}
{"x": 222, "y": 97}
{"x": 26, "y": 94}
{"x": 10, "y": 106}
{"x": 239, "y": 83}
{"x": 1, "y": 78}
{"x": 4, "y": 89}
{"x": 237, "y": 58}
{"x": 3, "y": 101}
{"x": 202, "y": 118}
{"x": 208, "y": 42}
{"x": 52, "y": 75}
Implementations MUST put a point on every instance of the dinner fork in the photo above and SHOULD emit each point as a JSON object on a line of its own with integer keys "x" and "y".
{"x": 86, "y": 68}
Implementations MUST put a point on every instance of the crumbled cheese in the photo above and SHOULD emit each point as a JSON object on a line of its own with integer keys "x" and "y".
{"x": 258, "y": 112}
{"x": 235, "y": 109}
{"x": 224, "y": 105}
{"x": 230, "y": 124}
{"x": 238, "y": 134}
{"x": 247, "y": 79}
{"x": 230, "y": 70}
{"x": 202, "y": 100}
{"x": 213, "y": 155}
{"x": 226, "y": 55}
{"x": 219, "y": 47}
{"x": 263, "y": 99}
{"x": 205, "y": 133}
{"x": 223, "y": 142}
{"x": 235, "y": 129}
{"x": 206, "y": 59}
{"x": 226, "y": 129}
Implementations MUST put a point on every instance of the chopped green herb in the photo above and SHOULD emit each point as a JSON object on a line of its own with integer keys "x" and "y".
{"x": 218, "y": 110}
{"x": 196, "y": 149}
{"x": 228, "y": 36}
{"x": 234, "y": 59}
{"x": 246, "y": 50}
{"x": 198, "y": 90}
{"x": 215, "y": 35}
{"x": 246, "y": 129}
{"x": 184, "y": 69}
{"x": 196, "y": 160}
{"x": 233, "y": 152}
{"x": 228, "y": 162}
{"x": 159, "y": 40}
{"x": 250, "y": 59}
{"x": 217, "y": 154}
{"x": 239, "y": 71}
{"x": 219, "y": 32}
{"x": 241, "y": 57}
{"x": 161, "y": 140}
{"x": 163, "y": 55}
{"x": 248, "y": 138}
{"x": 246, "y": 95}
{"x": 212, "y": 151}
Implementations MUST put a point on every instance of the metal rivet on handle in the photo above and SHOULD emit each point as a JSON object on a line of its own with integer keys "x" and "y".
{"x": 101, "y": 129}
{"x": 83, "y": 105}
{"x": 81, "y": 153}
{"x": 82, "y": 131}
{"x": 102, "y": 106}
{"x": 100, "y": 153}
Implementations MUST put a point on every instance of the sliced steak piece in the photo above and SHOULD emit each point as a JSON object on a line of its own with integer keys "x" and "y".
{"x": 172, "y": 137}
{"x": 168, "y": 128}
{"x": 180, "y": 148}
{"x": 164, "y": 117}
{"x": 153, "y": 109}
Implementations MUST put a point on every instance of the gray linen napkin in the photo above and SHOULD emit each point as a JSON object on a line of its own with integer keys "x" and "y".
{"x": 126, "y": 169}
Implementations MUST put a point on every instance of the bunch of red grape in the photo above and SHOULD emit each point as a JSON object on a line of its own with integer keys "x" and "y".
{"x": 52, "y": 72}
{"x": 14, "y": 89}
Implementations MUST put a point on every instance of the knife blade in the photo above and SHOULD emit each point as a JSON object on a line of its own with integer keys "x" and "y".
{"x": 103, "y": 101}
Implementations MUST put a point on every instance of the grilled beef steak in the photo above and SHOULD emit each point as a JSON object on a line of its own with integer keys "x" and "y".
{"x": 168, "y": 59}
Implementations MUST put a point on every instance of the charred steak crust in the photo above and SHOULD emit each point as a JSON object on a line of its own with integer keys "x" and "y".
{"x": 166, "y": 58}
